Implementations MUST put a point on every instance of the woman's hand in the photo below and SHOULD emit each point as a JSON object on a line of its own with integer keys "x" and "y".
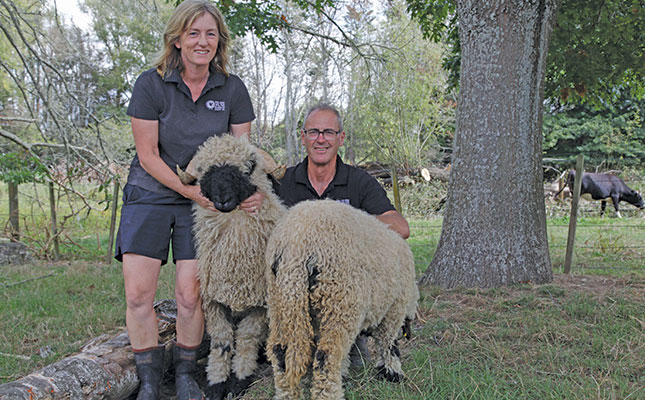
{"x": 253, "y": 203}
{"x": 194, "y": 193}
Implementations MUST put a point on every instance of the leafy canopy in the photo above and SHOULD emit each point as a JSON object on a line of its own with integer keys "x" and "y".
{"x": 20, "y": 167}
{"x": 596, "y": 55}
{"x": 263, "y": 18}
{"x": 611, "y": 137}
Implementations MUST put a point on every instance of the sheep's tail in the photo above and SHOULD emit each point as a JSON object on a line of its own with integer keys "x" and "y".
{"x": 291, "y": 335}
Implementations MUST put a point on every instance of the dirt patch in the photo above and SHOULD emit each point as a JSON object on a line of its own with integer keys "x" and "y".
{"x": 460, "y": 305}
{"x": 599, "y": 285}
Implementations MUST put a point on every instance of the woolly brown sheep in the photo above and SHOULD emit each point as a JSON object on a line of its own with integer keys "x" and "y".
{"x": 334, "y": 271}
{"x": 230, "y": 247}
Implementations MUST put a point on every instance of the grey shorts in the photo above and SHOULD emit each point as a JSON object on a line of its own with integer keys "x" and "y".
{"x": 149, "y": 229}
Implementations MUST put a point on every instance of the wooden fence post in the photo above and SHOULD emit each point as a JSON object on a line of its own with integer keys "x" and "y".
{"x": 573, "y": 220}
{"x": 14, "y": 213}
{"x": 395, "y": 189}
{"x": 52, "y": 208}
{"x": 115, "y": 203}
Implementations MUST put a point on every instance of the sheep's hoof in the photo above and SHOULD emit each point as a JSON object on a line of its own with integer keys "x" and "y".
{"x": 217, "y": 391}
{"x": 239, "y": 386}
{"x": 385, "y": 373}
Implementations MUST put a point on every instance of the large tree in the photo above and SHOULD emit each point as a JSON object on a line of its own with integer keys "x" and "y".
{"x": 494, "y": 228}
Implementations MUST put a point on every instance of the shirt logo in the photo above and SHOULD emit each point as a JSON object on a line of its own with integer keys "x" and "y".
{"x": 344, "y": 201}
{"x": 214, "y": 105}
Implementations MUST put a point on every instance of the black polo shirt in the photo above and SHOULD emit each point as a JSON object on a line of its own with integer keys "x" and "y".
{"x": 185, "y": 124}
{"x": 350, "y": 185}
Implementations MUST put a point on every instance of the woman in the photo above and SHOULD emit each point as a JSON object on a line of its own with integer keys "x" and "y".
{"x": 187, "y": 97}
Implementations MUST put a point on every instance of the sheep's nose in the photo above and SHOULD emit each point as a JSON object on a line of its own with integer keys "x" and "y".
{"x": 226, "y": 206}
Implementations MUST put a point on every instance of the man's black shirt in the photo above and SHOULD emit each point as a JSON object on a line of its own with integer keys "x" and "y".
{"x": 350, "y": 185}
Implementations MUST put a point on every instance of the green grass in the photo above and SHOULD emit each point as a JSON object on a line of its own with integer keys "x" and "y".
{"x": 82, "y": 226}
{"x": 579, "y": 337}
{"x": 603, "y": 245}
{"x": 54, "y": 309}
{"x": 576, "y": 338}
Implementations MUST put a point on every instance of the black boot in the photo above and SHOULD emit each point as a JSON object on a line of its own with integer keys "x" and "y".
{"x": 149, "y": 364}
{"x": 185, "y": 367}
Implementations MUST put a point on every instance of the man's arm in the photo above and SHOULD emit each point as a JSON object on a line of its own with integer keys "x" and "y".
{"x": 396, "y": 222}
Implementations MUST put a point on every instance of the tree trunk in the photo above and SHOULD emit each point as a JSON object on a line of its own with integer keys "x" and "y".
{"x": 104, "y": 369}
{"x": 494, "y": 228}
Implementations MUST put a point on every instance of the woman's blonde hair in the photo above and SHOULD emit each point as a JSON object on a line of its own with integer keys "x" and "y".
{"x": 181, "y": 20}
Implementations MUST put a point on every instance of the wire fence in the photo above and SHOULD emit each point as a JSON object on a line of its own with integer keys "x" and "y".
{"x": 605, "y": 244}
{"x": 601, "y": 243}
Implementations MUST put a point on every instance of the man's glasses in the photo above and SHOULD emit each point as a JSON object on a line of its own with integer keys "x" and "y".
{"x": 328, "y": 134}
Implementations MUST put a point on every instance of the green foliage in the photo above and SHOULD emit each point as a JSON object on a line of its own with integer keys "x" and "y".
{"x": 435, "y": 17}
{"x": 403, "y": 113}
{"x": 596, "y": 51}
{"x": 613, "y": 136}
{"x": 439, "y": 23}
{"x": 130, "y": 32}
{"x": 264, "y": 18}
{"x": 21, "y": 168}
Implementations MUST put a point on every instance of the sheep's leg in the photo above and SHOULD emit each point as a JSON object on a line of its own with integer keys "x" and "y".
{"x": 287, "y": 386}
{"x": 221, "y": 331}
{"x": 332, "y": 349}
{"x": 250, "y": 334}
{"x": 284, "y": 388}
{"x": 388, "y": 360}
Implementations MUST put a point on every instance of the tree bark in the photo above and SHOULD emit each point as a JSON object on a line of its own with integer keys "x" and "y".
{"x": 104, "y": 369}
{"x": 494, "y": 228}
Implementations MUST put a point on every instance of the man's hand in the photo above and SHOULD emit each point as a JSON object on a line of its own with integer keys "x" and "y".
{"x": 253, "y": 203}
{"x": 396, "y": 222}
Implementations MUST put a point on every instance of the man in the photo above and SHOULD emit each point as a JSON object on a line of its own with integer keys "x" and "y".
{"x": 323, "y": 175}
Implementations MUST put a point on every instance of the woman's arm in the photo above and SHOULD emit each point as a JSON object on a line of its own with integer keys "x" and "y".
{"x": 242, "y": 130}
{"x": 146, "y": 140}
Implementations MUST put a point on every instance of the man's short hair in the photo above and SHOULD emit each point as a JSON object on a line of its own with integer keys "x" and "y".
{"x": 324, "y": 107}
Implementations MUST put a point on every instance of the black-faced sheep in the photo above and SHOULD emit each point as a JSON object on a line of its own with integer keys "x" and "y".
{"x": 230, "y": 246}
{"x": 334, "y": 271}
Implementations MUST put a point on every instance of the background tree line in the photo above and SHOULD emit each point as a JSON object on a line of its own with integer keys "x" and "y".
{"x": 63, "y": 91}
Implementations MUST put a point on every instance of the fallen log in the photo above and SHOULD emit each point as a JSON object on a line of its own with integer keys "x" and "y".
{"x": 103, "y": 369}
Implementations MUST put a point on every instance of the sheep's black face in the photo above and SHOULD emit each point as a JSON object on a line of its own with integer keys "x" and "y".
{"x": 227, "y": 186}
